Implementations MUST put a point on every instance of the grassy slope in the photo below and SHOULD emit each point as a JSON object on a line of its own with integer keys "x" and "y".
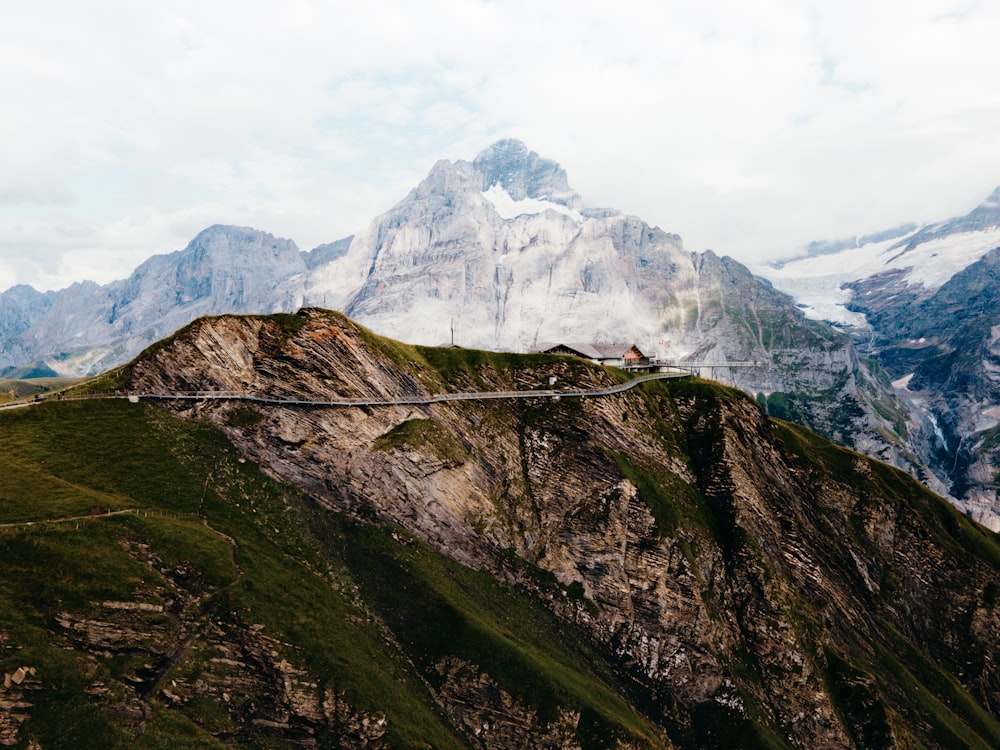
{"x": 69, "y": 459}
{"x": 15, "y": 388}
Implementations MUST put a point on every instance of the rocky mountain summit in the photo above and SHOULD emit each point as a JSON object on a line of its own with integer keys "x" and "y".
{"x": 663, "y": 567}
{"x": 523, "y": 174}
{"x": 923, "y": 302}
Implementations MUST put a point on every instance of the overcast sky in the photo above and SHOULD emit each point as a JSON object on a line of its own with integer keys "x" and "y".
{"x": 748, "y": 128}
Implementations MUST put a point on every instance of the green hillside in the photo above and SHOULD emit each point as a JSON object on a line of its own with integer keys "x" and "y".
{"x": 15, "y": 388}
{"x": 207, "y": 539}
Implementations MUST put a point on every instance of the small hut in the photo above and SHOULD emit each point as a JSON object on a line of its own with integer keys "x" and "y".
{"x": 613, "y": 355}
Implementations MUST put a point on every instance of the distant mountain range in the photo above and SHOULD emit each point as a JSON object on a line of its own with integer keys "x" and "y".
{"x": 917, "y": 260}
{"x": 499, "y": 250}
{"x": 500, "y": 253}
{"x": 925, "y": 303}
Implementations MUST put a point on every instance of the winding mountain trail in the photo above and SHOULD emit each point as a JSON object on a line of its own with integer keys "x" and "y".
{"x": 688, "y": 371}
{"x": 87, "y": 517}
{"x": 412, "y": 400}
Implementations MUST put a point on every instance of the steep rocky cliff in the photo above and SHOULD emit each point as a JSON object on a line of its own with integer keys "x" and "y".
{"x": 748, "y": 583}
{"x": 942, "y": 346}
{"x": 524, "y": 268}
{"x": 923, "y": 303}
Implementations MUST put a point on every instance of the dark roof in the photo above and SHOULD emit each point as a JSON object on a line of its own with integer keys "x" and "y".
{"x": 598, "y": 351}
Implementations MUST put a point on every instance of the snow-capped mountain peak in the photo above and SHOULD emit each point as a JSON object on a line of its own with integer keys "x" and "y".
{"x": 524, "y": 174}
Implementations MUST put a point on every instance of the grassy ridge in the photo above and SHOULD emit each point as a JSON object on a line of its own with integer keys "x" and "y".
{"x": 147, "y": 460}
{"x": 365, "y": 609}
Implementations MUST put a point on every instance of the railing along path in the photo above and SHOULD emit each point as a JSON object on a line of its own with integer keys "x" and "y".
{"x": 414, "y": 400}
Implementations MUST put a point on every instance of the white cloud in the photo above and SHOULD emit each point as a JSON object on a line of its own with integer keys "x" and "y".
{"x": 749, "y": 128}
{"x": 8, "y": 277}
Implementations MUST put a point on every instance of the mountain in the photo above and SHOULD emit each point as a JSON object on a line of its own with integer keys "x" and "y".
{"x": 503, "y": 250}
{"x": 497, "y": 253}
{"x": 663, "y": 567}
{"x": 88, "y": 328}
{"x": 500, "y": 253}
{"x": 925, "y": 304}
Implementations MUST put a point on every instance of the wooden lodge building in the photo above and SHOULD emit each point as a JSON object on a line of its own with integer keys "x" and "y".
{"x": 626, "y": 356}
{"x": 629, "y": 357}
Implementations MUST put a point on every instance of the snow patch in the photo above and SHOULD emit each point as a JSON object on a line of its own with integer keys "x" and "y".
{"x": 903, "y": 384}
{"x": 508, "y": 208}
{"x": 816, "y": 282}
{"x": 933, "y": 263}
{"x": 819, "y": 297}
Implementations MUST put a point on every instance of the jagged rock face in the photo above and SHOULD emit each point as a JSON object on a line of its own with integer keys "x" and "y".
{"x": 19, "y": 306}
{"x": 16, "y": 307}
{"x": 751, "y": 580}
{"x": 463, "y": 258}
{"x": 222, "y": 270}
{"x": 923, "y": 302}
{"x": 944, "y": 344}
{"x": 524, "y": 174}
{"x": 502, "y": 249}
{"x": 323, "y": 254}
{"x": 517, "y": 285}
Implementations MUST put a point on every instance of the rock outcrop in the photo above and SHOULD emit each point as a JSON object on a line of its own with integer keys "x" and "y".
{"x": 751, "y": 580}
{"x": 87, "y": 328}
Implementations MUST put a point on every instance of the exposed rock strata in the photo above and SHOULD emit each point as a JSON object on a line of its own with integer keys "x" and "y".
{"x": 746, "y": 575}
{"x": 158, "y": 648}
